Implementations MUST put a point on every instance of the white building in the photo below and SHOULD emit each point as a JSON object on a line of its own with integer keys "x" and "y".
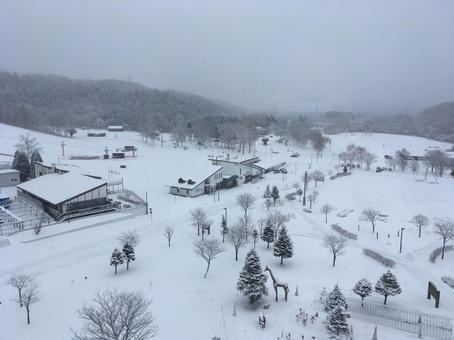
{"x": 245, "y": 170}
{"x": 9, "y": 177}
{"x": 58, "y": 194}
{"x": 204, "y": 180}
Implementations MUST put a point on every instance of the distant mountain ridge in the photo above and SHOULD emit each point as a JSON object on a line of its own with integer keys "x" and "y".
{"x": 36, "y": 99}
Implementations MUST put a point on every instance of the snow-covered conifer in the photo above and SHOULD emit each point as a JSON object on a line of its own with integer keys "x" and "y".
{"x": 35, "y": 157}
{"x": 252, "y": 278}
{"x": 336, "y": 322}
{"x": 387, "y": 285}
{"x": 335, "y": 298}
{"x": 21, "y": 163}
{"x": 268, "y": 233}
{"x": 267, "y": 193}
{"x": 363, "y": 288}
{"x": 116, "y": 259}
{"x": 128, "y": 253}
{"x": 283, "y": 247}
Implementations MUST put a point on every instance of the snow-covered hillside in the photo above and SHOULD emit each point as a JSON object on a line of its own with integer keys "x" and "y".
{"x": 71, "y": 267}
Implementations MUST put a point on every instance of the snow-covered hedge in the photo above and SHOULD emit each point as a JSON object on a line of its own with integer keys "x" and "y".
{"x": 380, "y": 258}
{"x": 344, "y": 232}
{"x": 437, "y": 252}
{"x": 448, "y": 280}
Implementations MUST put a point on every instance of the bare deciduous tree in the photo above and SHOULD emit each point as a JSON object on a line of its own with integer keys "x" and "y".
{"x": 130, "y": 237}
{"x": 310, "y": 198}
{"x": 402, "y": 158}
{"x": 246, "y": 202}
{"x": 168, "y": 233}
{"x": 444, "y": 228}
{"x": 335, "y": 245}
{"x": 117, "y": 315}
{"x": 414, "y": 166}
{"x": 237, "y": 237}
{"x": 369, "y": 158}
{"x": 421, "y": 222}
{"x": 198, "y": 218}
{"x": 317, "y": 176}
{"x": 370, "y": 215}
{"x": 315, "y": 195}
{"x": 208, "y": 250}
{"x": 19, "y": 281}
{"x": 326, "y": 209}
{"x": 30, "y": 295}
{"x": 278, "y": 220}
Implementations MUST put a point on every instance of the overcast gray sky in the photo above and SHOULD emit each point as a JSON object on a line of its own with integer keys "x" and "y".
{"x": 358, "y": 55}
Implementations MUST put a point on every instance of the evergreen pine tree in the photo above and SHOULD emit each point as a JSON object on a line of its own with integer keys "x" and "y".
{"x": 283, "y": 247}
{"x": 275, "y": 194}
{"x": 224, "y": 229}
{"x": 363, "y": 288}
{"x": 252, "y": 281}
{"x": 336, "y": 322}
{"x": 267, "y": 193}
{"x": 268, "y": 233}
{"x": 116, "y": 259}
{"x": 35, "y": 157}
{"x": 20, "y": 162}
{"x": 128, "y": 253}
{"x": 335, "y": 298}
{"x": 387, "y": 285}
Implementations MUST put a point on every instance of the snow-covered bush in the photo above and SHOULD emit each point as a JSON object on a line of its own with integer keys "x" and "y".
{"x": 344, "y": 232}
{"x": 380, "y": 258}
{"x": 437, "y": 252}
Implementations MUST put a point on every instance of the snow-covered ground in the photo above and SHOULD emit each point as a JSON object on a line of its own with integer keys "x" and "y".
{"x": 185, "y": 305}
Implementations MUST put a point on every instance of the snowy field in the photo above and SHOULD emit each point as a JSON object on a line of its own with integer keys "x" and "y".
{"x": 185, "y": 305}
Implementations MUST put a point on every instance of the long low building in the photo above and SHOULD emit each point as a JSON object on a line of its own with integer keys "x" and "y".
{"x": 58, "y": 194}
{"x": 244, "y": 170}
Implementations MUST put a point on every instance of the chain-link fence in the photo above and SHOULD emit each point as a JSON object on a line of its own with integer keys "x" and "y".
{"x": 401, "y": 318}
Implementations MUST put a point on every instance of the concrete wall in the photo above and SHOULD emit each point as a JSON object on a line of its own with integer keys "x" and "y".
{"x": 9, "y": 179}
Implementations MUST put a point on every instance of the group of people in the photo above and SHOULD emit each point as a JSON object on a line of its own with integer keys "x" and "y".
{"x": 304, "y": 317}
{"x": 288, "y": 336}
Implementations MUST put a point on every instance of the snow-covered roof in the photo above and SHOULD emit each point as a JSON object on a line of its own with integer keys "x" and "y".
{"x": 198, "y": 175}
{"x": 8, "y": 171}
{"x": 269, "y": 163}
{"x": 115, "y": 127}
{"x": 56, "y": 188}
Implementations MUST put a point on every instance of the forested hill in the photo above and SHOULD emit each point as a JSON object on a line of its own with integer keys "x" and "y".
{"x": 435, "y": 122}
{"x": 32, "y": 100}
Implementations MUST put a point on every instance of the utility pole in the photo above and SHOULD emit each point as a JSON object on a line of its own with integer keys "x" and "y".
{"x": 401, "y": 234}
{"x": 62, "y": 149}
{"x": 305, "y": 188}
{"x": 225, "y": 211}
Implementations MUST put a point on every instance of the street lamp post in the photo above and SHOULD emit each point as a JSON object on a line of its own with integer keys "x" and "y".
{"x": 225, "y": 213}
{"x": 401, "y": 235}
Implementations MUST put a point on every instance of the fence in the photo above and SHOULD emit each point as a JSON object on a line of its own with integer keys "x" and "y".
{"x": 403, "y": 319}
{"x": 340, "y": 174}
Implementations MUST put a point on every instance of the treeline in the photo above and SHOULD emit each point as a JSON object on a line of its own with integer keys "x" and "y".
{"x": 41, "y": 101}
{"x": 435, "y": 122}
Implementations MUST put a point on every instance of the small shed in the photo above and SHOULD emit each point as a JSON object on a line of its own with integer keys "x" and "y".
{"x": 115, "y": 128}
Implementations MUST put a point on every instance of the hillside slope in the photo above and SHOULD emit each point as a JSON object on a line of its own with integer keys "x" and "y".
{"x": 32, "y": 100}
